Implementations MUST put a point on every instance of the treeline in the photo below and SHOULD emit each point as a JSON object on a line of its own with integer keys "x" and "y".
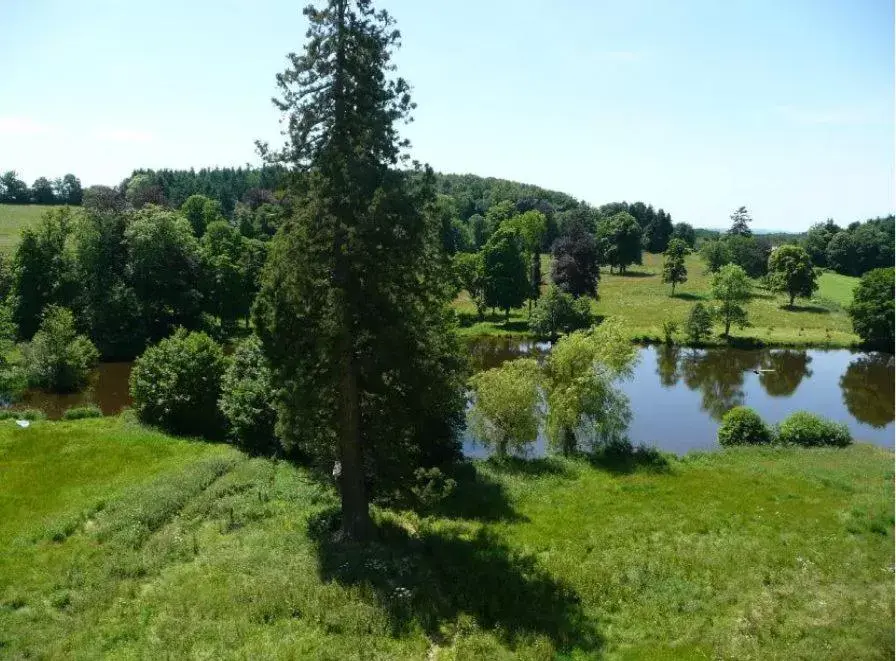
{"x": 228, "y": 186}
{"x": 854, "y": 250}
{"x": 63, "y": 190}
{"x": 131, "y": 275}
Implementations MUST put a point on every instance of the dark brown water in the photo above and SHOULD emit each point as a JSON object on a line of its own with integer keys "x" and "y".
{"x": 678, "y": 395}
{"x": 108, "y": 389}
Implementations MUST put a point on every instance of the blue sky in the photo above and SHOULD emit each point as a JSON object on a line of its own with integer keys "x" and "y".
{"x": 696, "y": 106}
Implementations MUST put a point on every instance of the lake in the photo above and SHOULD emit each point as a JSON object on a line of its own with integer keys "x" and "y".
{"x": 678, "y": 395}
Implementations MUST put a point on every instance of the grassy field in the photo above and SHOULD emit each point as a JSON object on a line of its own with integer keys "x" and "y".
{"x": 836, "y": 288}
{"x": 644, "y": 302}
{"x": 123, "y": 543}
{"x": 16, "y": 217}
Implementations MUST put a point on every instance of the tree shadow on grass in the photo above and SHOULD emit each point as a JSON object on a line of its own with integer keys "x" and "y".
{"x": 476, "y": 497}
{"x": 433, "y": 576}
{"x": 687, "y": 296}
{"x": 814, "y": 309}
{"x": 638, "y": 274}
{"x": 624, "y": 458}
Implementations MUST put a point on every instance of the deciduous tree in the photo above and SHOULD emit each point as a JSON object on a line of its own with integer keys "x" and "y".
{"x": 790, "y": 271}
{"x": 506, "y": 274}
{"x": 558, "y": 312}
{"x": 731, "y": 288}
{"x": 43, "y": 270}
{"x": 164, "y": 270}
{"x": 201, "y": 211}
{"x": 872, "y": 308}
{"x": 674, "y": 269}
{"x": 576, "y": 266}
{"x": 715, "y": 253}
{"x": 621, "y": 235}
{"x": 585, "y": 409}
{"x": 504, "y": 414}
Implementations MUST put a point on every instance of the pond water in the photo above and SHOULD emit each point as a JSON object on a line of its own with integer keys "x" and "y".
{"x": 677, "y": 395}
{"x": 108, "y": 389}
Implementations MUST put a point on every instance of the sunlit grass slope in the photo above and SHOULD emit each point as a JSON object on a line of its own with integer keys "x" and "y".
{"x": 119, "y": 543}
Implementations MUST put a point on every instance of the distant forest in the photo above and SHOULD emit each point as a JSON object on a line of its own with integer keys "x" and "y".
{"x": 473, "y": 207}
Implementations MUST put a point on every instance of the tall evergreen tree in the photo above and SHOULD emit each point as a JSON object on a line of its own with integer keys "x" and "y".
{"x": 352, "y": 312}
{"x": 740, "y": 223}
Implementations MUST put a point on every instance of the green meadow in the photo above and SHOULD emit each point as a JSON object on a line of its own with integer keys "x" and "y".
{"x": 119, "y": 543}
{"x": 16, "y": 217}
{"x": 644, "y": 302}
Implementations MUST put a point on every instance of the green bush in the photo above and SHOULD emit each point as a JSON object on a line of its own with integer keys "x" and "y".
{"x": 22, "y": 414}
{"x": 176, "y": 384}
{"x": 247, "y": 399}
{"x": 556, "y": 312}
{"x": 81, "y": 412}
{"x": 57, "y": 358}
{"x": 808, "y": 429}
{"x": 743, "y": 426}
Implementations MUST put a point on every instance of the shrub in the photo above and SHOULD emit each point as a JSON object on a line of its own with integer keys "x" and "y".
{"x": 57, "y": 358}
{"x": 247, "y": 399}
{"x": 176, "y": 384}
{"x": 22, "y": 414}
{"x": 81, "y": 412}
{"x": 556, "y": 312}
{"x": 808, "y": 429}
{"x": 743, "y": 426}
{"x": 431, "y": 486}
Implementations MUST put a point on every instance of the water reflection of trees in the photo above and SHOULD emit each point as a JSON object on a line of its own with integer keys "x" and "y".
{"x": 487, "y": 352}
{"x": 719, "y": 376}
{"x": 667, "y": 358}
{"x": 868, "y": 389}
{"x": 789, "y": 367}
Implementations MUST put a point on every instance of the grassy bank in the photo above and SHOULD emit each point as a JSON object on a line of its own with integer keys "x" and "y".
{"x": 642, "y": 300}
{"x": 123, "y": 543}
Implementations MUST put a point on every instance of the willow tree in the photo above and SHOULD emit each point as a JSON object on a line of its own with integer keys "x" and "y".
{"x": 352, "y": 310}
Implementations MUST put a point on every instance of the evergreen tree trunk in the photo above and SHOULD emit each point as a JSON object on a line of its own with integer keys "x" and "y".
{"x": 792, "y": 296}
{"x": 356, "y": 522}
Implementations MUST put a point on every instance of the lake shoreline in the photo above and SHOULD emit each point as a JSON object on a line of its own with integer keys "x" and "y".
{"x": 736, "y": 342}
